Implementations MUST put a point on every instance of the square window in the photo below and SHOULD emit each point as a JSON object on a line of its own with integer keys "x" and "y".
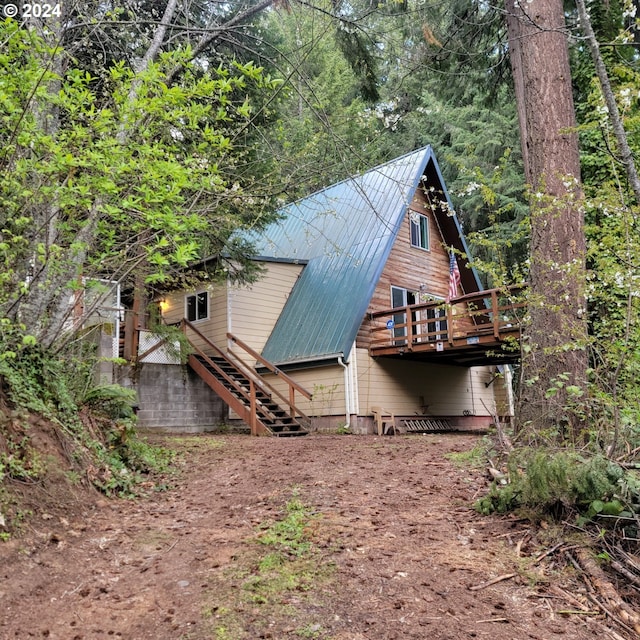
{"x": 419, "y": 230}
{"x": 197, "y": 306}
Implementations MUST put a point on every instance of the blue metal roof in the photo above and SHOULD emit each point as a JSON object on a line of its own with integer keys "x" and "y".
{"x": 345, "y": 233}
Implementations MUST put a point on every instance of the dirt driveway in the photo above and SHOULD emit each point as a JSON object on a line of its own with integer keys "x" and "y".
{"x": 390, "y": 549}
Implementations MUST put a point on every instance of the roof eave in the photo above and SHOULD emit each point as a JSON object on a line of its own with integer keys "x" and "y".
{"x": 305, "y": 363}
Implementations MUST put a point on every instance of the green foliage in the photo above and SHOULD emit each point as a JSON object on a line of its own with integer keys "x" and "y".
{"x": 472, "y": 458}
{"x": 310, "y": 631}
{"x": 613, "y": 250}
{"x": 322, "y": 399}
{"x": 279, "y": 574}
{"x": 140, "y": 178}
{"x": 494, "y": 206}
{"x": 101, "y": 440}
{"x": 113, "y": 400}
{"x": 127, "y": 455}
{"x": 129, "y": 174}
{"x": 320, "y": 133}
{"x": 125, "y": 461}
{"x": 34, "y": 379}
{"x": 19, "y": 460}
{"x": 289, "y": 565}
{"x": 288, "y": 536}
{"x": 561, "y": 482}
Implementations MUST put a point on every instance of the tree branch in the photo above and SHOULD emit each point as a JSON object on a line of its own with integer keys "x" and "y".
{"x": 626, "y": 156}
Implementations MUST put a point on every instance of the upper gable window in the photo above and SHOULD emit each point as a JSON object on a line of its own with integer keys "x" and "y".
{"x": 197, "y": 306}
{"x": 419, "y": 230}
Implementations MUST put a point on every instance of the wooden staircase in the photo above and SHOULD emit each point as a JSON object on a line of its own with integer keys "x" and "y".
{"x": 245, "y": 391}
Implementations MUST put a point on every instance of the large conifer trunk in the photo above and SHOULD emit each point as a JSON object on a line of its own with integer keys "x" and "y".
{"x": 555, "y": 355}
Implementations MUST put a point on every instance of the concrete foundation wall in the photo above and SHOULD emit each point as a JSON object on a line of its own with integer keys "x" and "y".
{"x": 174, "y": 398}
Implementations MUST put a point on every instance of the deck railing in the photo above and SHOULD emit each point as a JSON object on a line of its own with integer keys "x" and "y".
{"x": 493, "y": 312}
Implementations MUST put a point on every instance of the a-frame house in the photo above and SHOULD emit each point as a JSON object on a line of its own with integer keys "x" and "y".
{"x": 349, "y": 323}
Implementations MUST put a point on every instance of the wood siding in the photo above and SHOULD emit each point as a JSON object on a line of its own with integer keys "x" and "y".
{"x": 424, "y": 272}
{"x": 410, "y": 267}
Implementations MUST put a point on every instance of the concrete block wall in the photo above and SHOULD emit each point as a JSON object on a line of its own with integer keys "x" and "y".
{"x": 174, "y": 398}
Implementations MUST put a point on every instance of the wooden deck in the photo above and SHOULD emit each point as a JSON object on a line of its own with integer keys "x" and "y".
{"x": 475, "y": 329}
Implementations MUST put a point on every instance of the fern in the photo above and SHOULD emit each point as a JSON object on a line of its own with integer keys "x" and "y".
{"x": 112, "y": 400}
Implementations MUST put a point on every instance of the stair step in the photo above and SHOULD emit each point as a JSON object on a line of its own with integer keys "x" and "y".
{"x": 291, "y": 434}
{"x": 274, "y": 418}
{"x": 288, "y": 432}
{"x": 282, "y": 426}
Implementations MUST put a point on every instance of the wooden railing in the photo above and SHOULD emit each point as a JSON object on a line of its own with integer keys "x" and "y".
{"x": 493, "y": 312}
{"x": 255, "y": 380}
{"x": 292, "y": 385}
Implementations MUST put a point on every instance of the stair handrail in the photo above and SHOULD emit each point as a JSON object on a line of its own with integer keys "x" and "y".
{"x": 270, "y": 366}
{"x": 293, "y": 386}
{"x": 250, "y": 414}
{"x": 254, "y": 380}
{"x": 211, "y": 363}
{"x": 250, "y": 373}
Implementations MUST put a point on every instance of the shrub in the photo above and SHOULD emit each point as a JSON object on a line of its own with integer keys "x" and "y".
{"x": 556, "y": 483}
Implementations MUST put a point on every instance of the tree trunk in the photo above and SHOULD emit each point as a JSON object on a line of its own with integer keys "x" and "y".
{"x": 554, "y": 354}
{"x": 624, "y": 150}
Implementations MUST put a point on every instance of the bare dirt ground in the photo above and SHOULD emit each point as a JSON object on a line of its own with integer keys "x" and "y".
{"x": 393, "y": 551}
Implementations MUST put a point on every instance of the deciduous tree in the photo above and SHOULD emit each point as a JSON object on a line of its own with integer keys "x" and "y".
{"x": 144, "y": 176}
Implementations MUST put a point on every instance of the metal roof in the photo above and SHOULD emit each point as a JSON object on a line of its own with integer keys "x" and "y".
{"x": 345, "y": 233}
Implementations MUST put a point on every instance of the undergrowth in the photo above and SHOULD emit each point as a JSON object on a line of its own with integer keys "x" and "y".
{"x": 282, "y": 569}
{"x": 93, "y": 429}
{"x": 565, "y": 483}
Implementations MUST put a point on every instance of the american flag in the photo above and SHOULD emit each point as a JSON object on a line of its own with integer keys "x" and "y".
{"x": 454, "y": 276}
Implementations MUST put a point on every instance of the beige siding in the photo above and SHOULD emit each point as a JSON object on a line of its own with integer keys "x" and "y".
{"x": 408, "y": 388}
{"x": 215, "y": 326}
{"x": 326, "y": 384}
{"x": 254, "y": 309}
{"x": 504, "y": 393}
{"x": 249, "y": 312}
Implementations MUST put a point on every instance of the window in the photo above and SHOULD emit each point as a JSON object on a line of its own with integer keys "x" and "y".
{"x": 419, "y": 230}
{"x": 401, "y": 298}
{"x": 427, "y": 325}
{"x": 197, "y": 306}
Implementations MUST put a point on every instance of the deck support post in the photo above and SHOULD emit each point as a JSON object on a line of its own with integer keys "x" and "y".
{"x": 292, "y": 402}
{"x": 450, "y": 324}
